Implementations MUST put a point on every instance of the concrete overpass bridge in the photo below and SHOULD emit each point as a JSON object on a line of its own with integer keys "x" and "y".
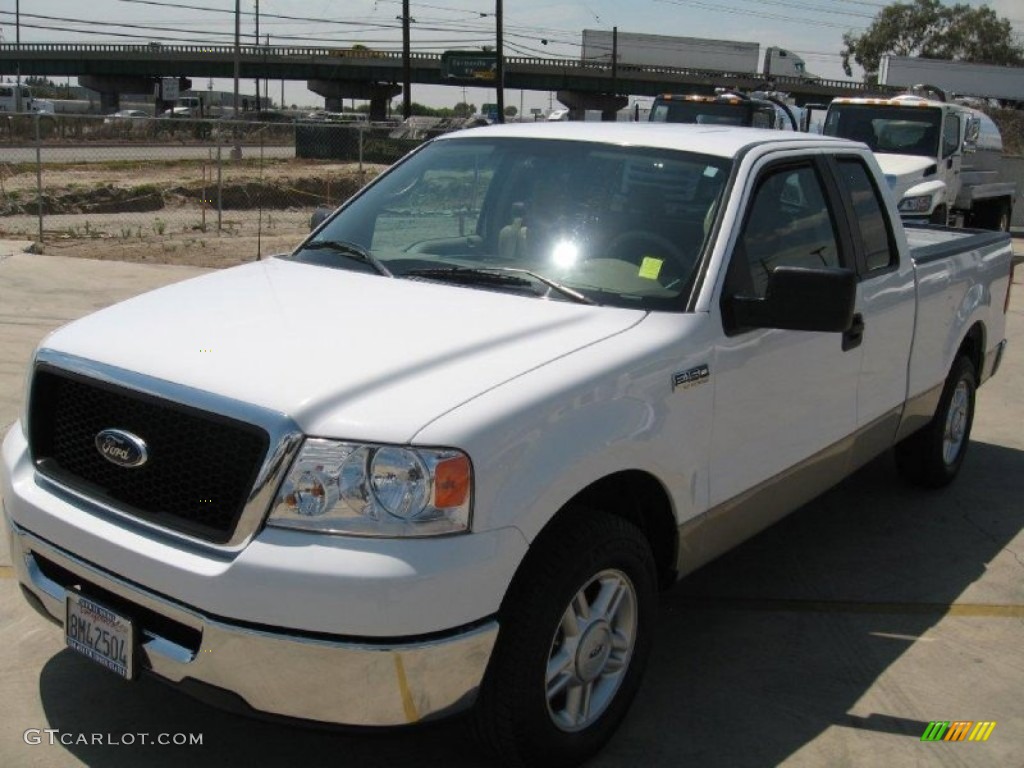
{"x": 338, "y": 73}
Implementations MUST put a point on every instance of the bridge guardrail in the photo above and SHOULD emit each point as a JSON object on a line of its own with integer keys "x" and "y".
{"x": 523, "y": 64}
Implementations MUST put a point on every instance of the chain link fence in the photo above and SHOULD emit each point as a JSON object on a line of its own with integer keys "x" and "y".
{"x": 173, "y": 190}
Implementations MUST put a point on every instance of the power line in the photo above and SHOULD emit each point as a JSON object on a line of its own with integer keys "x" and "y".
{"x": 759, "y": 14}
{"x": 129, "y": 25}
{"x": 482, "y": 37}
{"x": 319, "y": 21}
{"x": 53, "y": 28}
{"x": 475, "y": 34}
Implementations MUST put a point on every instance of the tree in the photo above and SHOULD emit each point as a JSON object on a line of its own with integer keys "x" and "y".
{"x": 462, "y": 109}
{"x": 44, "y": 88}
{"x": 932, "y": 30}
{"x": 511, "y": 111}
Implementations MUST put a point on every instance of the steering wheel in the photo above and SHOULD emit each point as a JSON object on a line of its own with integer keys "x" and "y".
{"x": 634, "y": 245}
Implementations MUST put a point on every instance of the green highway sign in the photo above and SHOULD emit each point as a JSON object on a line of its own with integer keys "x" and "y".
{"x": 469, "y": 65}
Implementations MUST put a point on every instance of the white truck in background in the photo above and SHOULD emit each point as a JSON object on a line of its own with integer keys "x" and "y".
{"x": 991, "y": 81}
{"x": 943, "y": 161}
{"x": 754, "y": 110}
{"x": 196, "y": 105}
{"x": 645, "y": 50}
{"x": 9, "y": 101}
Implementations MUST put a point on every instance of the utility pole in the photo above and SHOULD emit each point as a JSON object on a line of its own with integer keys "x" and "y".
{"x": 615, "y": 60}
{"x": 500, "y": 70}
{"x": 238, "y": 51}
{"x": 258, "y": 105}
{"x": 17, "y": 38}
{"x": 406, "y": 64}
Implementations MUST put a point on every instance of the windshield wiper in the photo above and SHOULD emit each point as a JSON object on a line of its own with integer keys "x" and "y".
{"x": 553, "y": 285}
{"x": 495, "y": 276}
{"x": 354, "y": 251}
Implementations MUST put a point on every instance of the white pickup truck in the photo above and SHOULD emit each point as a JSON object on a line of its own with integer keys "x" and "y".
{"x": 445, "y": 453}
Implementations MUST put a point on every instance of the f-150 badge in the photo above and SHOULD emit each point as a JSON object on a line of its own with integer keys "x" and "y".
{"x": 690, "y": 378}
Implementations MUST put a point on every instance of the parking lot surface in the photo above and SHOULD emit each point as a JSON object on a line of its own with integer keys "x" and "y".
{"x": 833, "y": 638}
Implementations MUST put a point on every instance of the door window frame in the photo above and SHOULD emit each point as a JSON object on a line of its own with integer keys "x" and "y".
{"x": 838, "y": 209}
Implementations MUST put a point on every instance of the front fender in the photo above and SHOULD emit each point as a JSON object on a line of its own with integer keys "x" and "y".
{"x": 539, "y": 440}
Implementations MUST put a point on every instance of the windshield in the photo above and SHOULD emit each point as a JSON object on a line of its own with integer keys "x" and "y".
{"x": 888, "y": 129}
{"x": 561, "y": 220}
{"x": 710, "y": 113}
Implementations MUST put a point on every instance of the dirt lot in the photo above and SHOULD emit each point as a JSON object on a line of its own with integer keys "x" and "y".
{"x": 166, "y": 212}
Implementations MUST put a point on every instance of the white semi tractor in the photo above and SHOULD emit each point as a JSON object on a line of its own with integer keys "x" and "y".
{"x": 10, "y": 101}
{"x": 631, "y": 48}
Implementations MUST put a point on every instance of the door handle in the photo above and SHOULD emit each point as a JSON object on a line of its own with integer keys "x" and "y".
{"x": 855, "y": 335}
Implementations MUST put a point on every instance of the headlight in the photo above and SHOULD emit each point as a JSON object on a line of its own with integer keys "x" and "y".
{"x": 916, "y": 204}
{"x": 375, "y": 490}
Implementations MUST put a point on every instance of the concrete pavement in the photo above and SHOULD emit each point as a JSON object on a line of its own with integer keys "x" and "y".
{"x": 832, "y": 639}
{"x": 40, "y": 293}
{"x": 11, "y": 247}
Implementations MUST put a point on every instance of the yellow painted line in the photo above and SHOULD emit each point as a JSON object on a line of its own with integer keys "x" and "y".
{"x": 411, "y": 715}
{"x": 982, "y": 609}
{"x": 6, "y": 572}
{"x": 972, "y": 610}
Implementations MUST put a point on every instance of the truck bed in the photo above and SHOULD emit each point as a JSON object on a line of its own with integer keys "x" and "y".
{"x": 963, "y": 269}
{"x": 930, "y": 242}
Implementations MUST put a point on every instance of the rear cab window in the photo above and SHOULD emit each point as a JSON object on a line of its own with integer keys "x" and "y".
{"x": 871, "y": 225}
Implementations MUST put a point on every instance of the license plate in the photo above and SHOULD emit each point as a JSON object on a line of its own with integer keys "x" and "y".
{"x": 101, "y": 634}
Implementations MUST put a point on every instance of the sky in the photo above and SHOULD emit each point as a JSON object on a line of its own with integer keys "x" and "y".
{"x": 811, "y": 28}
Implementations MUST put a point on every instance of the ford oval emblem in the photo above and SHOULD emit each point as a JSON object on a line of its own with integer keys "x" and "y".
{"x": 122, "y": 448}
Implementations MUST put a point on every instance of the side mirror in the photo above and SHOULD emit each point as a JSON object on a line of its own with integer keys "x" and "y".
{"x": 800, "y": 299}
{"x": 971, "y": 133}
{"x": 318, "y": 217}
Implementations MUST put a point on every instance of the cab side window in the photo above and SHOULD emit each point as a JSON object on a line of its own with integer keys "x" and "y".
{"x": 870, "y": 218}
{"x": 789, "y": 224}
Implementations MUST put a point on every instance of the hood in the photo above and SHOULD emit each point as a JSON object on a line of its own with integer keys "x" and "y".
{"x": 345, "y": 354}
{"x": 902, "y": 172}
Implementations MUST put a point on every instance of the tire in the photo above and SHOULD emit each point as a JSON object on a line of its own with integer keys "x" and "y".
{"x": 994, "y": 216}
{"x": 932, "y": 456}
{"x": 1001, "y": 222}
{"x": 557, "y": 651}
{"x": 939, "y": 216}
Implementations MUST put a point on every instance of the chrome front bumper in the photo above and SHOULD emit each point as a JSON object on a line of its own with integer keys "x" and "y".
{"x": 312, "y": 677}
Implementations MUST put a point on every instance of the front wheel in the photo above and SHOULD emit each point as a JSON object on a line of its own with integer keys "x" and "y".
{"x": 576, "y": 631}
{"x": 1002, "y": 218}
{"x": 932, "y": 456}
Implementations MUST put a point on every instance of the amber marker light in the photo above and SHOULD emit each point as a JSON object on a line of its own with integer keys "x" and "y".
{"x": 451, "y": 482}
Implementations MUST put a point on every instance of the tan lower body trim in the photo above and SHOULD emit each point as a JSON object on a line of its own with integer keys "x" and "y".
{"x": 736, "y": 520}
{"x": 919, "y": 411}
